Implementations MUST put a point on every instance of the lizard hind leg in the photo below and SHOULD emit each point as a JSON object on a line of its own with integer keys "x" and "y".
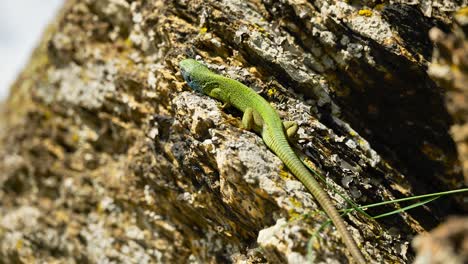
{"x": 291, "y": 128}
{"x": 251, "y": 120}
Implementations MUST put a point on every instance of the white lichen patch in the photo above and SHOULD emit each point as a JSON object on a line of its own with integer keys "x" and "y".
{"x": 101, "y": 245}
{"x": 86, "y": 86}
{"x": 373, "y": 27}
{"x": 107, "y": 203}
{"x": 15, "y": 226}
{"x": 262, "y": 166}
{"x": 12, "y": 241}
{"x": 151, "y": 80}
{"x": 262, "y": 46}
{"x": 268, "y": 235}
{"x": 212, "y": 243}
{"x": 25, "y": 217}
{"x": 134, "y": 232}
{"x": 98, "y": 241}
{"x": 138, "y": 36}
{"x": 278, "y": 238}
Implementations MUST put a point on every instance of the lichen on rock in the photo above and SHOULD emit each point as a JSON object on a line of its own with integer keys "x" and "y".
{"x": 107, "y": 156}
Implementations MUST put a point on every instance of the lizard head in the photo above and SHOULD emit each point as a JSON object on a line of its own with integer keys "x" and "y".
{"x": 195, "y": 74}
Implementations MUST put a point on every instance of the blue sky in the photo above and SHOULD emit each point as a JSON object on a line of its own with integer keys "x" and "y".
{"x": 21, "y": 25}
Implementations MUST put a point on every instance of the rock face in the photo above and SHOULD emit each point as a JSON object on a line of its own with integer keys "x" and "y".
{"x": 449, "y": 68}
{"x": 448, "y": 243}
{"x": 107, "y": 156}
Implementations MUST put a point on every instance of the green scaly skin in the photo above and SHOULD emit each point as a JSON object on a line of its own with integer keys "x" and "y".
{"x": 262, "y": 118}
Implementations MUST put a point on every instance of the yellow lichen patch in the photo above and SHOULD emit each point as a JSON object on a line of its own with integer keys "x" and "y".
{"x": 284, "y": 174}
{"x": 272, "y": 92}
{"x": 19, "y": 244}
{"x": 260, "y": 28}
{"x": 360, "y": 141}
{"x": 128, "y": 42}
{"x": 203, "y": 30}
{"x": 294, "y": 215}
{"x": 75, "y": 138}
{"x": 100, "y": 209}
{"x": 365, "y": 12}
{"x": 295, "y": 202}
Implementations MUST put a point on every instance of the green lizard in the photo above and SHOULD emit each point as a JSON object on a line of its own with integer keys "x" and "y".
{"x": 261, "y": 117}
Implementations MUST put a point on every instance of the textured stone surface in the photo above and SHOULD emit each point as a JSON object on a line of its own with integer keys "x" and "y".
{"x": 448, "y": 243}
{"x": 449, "y": 68}
{"x": 106, "y": 156}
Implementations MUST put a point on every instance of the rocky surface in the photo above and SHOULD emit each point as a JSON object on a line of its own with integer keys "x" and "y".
{"x": 449, "y": 68}
{"x": 448, "y": 243}
{"x": 107, "y": 157}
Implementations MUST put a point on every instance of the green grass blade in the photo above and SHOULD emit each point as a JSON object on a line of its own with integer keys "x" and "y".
{"x": 415, "y": 197}
{"x": 406, "y": 208}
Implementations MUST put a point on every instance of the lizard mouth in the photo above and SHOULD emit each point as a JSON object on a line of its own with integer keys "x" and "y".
{"x": 186, "y": 76}
{"x": 189, "y": 80}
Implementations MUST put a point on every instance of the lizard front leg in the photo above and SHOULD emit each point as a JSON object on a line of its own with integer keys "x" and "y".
{"x": 217, "y": 94}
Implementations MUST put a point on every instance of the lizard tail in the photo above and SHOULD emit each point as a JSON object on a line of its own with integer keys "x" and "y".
{"x": 286, "y": 153}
